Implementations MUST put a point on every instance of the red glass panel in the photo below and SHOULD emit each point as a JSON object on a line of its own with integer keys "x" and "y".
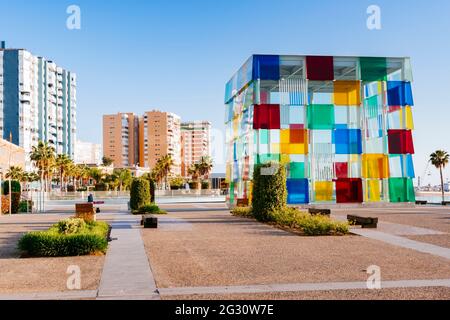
{"x": 319, "y": 68}
{"x": 266, "y": 116}
{"x": 297, "y": 136}
{"x": 349, "y": 190}
{"x": 400, "y": 142}
{"x": 341, "y": 169}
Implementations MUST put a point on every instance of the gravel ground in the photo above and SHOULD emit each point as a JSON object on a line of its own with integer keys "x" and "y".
{"x": 442, "y": 240}
{"x": 212, "y": 248}
{"x": 435, "y": 218}
{"x": 39, "y": 274}
{"x": 435, "y": 293}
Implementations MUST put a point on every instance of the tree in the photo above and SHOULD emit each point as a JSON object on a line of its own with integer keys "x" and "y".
{"x": 96, "y": 174}
{"x": 124, "y": 177}
{"x": 43, "y": 157}
{"x": 161, "y": 170}
{"x": 107, "y": 161}
{"x": 63, "y": 165}
{"x": 440, "y": 159}
{"x": 194, "y": 172}
{"x": 15, "y": 173}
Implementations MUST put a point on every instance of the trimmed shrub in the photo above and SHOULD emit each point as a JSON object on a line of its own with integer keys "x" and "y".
{"x": 139, "y": 193}
{"x": 193, "y": 185}
{"x": 23, "y": 206}
{"x": 245, "y": 212}
{"x": 269, "y": 192}
{"x": 205, "y": 184}
{"x": 15, "y": 186}
{"x": 70, "y": 188}
{"x": 150, "y": 208}
{"x": 89, "y": 239}
{"x": 70, "y": 226}
{"x": 15, "y": 202}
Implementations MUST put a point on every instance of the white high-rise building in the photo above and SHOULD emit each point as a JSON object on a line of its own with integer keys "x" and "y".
{"x": 37, "y": 102}
{"x": 88, "y": 153}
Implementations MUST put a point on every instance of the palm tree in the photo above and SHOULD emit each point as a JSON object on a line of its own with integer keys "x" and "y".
{"x": 15, "y": 173}
{"x": 206, "y": 166}
{"x": 166, "y": 167}
{"x": 440, "y": 159}
{"x": 194, "y": 171}
{"x": 43, "y": 157}
{"x": 63, "y": 164}
{"x": 96, "y": 174}
{"x": 124, "y": 177}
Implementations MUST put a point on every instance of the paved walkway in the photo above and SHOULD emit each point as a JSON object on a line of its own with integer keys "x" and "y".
{"x": 126, "y": 273}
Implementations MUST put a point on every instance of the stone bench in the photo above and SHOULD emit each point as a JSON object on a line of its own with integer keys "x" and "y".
{"x": 364, "y": 222}
{"x": 322, "y": 212}
{"x": 85, "y": 211}
{"x": 149, "y": 221}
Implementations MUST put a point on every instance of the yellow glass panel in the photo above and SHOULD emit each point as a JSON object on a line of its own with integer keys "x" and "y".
{"x": 347, "y": 93}
{"x": 408, "y": 118}
{"x": 285, "y": 148}
{"x": 323, "y": 190}
{"x": 284, "y": 136}
{"x": 375, "y": 166}
{"x": 372, "y": 192}
{"x": 250, "y": 193}
{"x": 298, "y": 148}
{"x": 228, "y": 173}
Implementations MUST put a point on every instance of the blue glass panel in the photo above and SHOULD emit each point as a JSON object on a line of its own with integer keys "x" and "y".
{"x": 266, "y": 67}
{"x": 348, "y": 141}
{"x": 399, "y": 93}
{"x": 298, "y": 191}
{"x": 408, "y": 172}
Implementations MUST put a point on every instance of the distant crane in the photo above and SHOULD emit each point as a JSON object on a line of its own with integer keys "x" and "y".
{"x": 425, "y": 173}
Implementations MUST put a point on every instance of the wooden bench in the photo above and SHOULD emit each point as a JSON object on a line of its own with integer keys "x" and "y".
{"x": 423, "y": 202}
{"x": 364, "y": 222}
{"x": 322, "y": 212}
{"x": 149, "y": 221}
{"x": 242, "y": 203}
{"x": 85, "y": 211}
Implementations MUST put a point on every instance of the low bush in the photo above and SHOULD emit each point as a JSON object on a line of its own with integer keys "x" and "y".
{"x": 292, "y": 218}
{"x": 245, "y": 212}
{"x": 81, "y": 189}
{"x": 205, "y": 185}
{"x": 67, "y": 238}
{"x": 25, "y": 206}
{"x": 101, "y": 186}
{"x": 5, "y": 205}
{"x": 150, "y": 208}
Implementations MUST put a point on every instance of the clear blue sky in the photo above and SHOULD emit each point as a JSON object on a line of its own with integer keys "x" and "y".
{"x": 177, "y": 55}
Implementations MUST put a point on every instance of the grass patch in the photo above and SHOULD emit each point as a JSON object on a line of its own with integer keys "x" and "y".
{"x": 149, "y": 209}
{"x": 299, "y": 221}
{"x": 69, "y": 237}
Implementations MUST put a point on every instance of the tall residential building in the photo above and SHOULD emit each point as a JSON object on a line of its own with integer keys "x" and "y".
{"x": 88, "y": 153}
{"x": 159, "y": 135}
{"x": 37, "y": 101}
{"x": 121, "y": 139}
{"x": 342, "y": 125}
{"x": 195, "y": 143}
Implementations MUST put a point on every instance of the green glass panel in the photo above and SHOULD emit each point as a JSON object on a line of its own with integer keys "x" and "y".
{"x": 401, "y": 190}
{"x": 320, "y": 116}
{"x": 264, "y": 136}
{"x": 231, "y": 192}
{"x": 373, "y": 69}
{"x": 371, "y": 105}
{"x": 297, "y": 170}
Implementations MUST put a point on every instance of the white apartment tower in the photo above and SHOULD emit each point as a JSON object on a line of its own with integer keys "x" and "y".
{"x": 37, "y": 102}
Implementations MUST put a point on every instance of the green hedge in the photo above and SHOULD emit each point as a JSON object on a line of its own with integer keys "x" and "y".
{"x": 15, "y": 186}
{"x": 139, "y": 193}
{"x": 89, "y": 239}
{"x": 149, "y": 208}
{"x": 269, "y": 190}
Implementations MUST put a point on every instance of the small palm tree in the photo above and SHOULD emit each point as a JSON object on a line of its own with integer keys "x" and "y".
{"x": 43, "y": 157}
{"x": 15, "y": 173}
{"x": 440, "y": 159}
{"x": 63, "y": 164}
